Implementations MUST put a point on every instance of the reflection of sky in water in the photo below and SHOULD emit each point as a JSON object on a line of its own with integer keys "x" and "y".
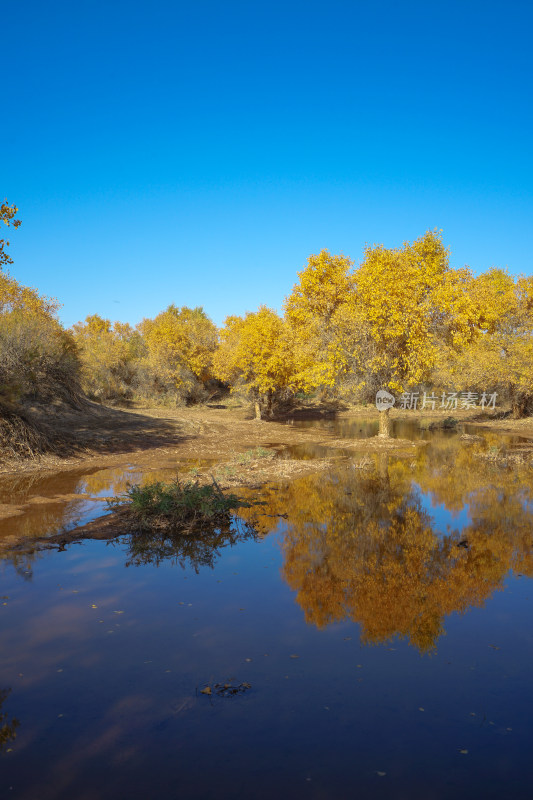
{"x": 106, "y": 664}
{"x": 444, "y": 519}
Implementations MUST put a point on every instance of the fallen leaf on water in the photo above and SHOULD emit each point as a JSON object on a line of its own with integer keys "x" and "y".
{"x": 494, "y": 646}
{"x": 247, "y": 659}
{"x": 464, "y": 752}
{"x": 421, "y": 709}
{"x": 118, "y": 612}
{"x": 381, "y": 774}
{"x": 93, "y": 606}
{"x": 207, "y": 690}
{"x": 294, "y": 656}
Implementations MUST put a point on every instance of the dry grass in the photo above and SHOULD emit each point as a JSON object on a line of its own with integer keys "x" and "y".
{"x": 20, "y": 437}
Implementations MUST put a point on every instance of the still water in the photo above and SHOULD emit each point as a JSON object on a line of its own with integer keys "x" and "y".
{"x": 365, "y": 633}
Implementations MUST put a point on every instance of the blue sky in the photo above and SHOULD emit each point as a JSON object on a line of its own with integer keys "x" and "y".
{"x": 197, "y": 153}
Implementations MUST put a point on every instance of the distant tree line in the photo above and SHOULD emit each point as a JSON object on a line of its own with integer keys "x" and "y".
{"x": 400, "y": 320}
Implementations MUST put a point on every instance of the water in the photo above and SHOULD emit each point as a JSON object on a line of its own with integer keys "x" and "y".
{"x": 378, "y": 638}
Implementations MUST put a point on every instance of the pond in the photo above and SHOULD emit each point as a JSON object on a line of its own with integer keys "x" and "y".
{"x": 365, "y": 632}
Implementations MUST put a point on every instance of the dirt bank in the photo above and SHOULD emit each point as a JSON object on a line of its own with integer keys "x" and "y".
{"x": 98, "y": 435}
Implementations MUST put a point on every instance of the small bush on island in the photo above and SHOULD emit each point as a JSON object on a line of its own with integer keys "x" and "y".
{"x": 176, "y": 506}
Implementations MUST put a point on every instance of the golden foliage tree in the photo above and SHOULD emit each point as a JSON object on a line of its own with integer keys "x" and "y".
{"x": 407, "y": 301}
{"x": 110, "y": 354}
{"x": 180, "y": 344}
{"x": 37, "y": 357}
{"x": 256, "y": 353}
{"x": 314, "y": 311}
{"x": 500, "y": 355}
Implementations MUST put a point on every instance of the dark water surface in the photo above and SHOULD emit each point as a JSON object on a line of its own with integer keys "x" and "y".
{"x": 374, "y": 642}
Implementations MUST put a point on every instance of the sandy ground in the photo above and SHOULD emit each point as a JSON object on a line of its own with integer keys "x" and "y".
{"x": 102, "y": 436}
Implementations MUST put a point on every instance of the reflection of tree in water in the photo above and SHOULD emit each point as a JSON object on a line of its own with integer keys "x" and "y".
{"x": 196, "y": 549}
{"x": 64, "y": 502}
{"x": 360, "y": 546}
{"x": 8, "y": 728}
{"x": 21, "y": 561}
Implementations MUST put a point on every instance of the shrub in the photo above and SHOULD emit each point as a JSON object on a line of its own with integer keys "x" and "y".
{"x": 176, "y": 506}
{"x": 38, "y": 359}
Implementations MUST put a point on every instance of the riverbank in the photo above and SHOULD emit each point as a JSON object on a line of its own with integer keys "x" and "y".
{"x": 99, "y": 435}
{"x": 197, "y": 443}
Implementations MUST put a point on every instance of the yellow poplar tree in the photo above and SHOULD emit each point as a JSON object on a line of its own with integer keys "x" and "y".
{"x": 110, "y": 354}
{"x": 312, "y": 310}
{"x": 500, "y": 355}
{"x": 255, "y": 352}
{"x": 37, "y": 357}
{"x": 180, "y": 344}
{"x": 408, "y": 300}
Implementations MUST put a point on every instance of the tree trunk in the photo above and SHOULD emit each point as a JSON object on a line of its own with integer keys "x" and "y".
{"x": 257, "y": 410}
{"x": 384, "y": 424}
{"x": 521, "y": 404}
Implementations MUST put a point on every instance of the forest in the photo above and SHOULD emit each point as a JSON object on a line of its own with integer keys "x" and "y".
{"x": 401, "y": 319}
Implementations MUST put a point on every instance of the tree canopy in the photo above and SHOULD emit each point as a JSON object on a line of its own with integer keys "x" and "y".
{"x": 400, "y": 320}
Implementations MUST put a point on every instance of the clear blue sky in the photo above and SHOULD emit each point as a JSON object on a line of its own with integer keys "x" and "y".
{"x": 198, "y": 152}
